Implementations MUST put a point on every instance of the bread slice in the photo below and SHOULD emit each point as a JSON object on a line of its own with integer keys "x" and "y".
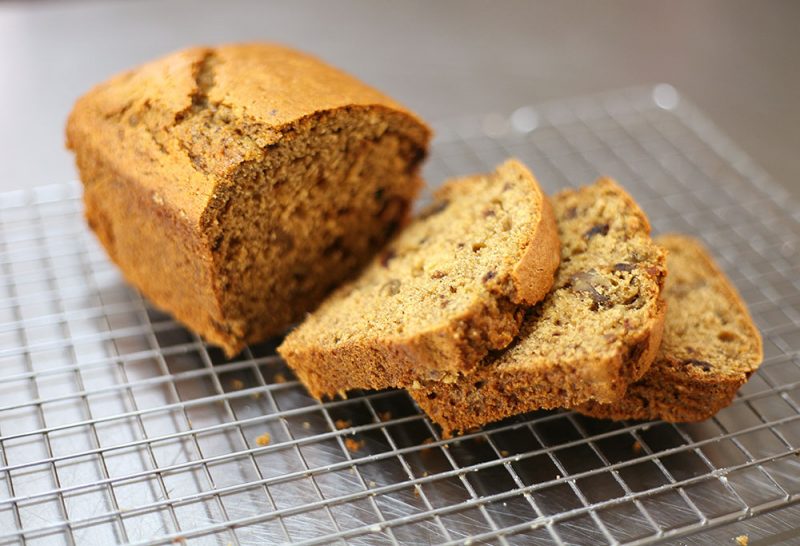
{"x": 597, "y": 331}
{"x": 447, "y": 290}
{"x": 710, "y": 346}
{"x": 235, "y": 186}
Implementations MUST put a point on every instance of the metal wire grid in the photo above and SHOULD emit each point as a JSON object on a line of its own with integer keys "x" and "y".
{"x": 119, "y": 426}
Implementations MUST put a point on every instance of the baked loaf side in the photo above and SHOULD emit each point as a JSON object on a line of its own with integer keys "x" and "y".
{"x": 235, "y": 186}
{"x": 597, "y": 330}
{"x": 449, "y": 288}
{"x": 710, "y": 346}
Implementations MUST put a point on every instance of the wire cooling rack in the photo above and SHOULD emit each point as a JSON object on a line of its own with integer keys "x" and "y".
{"x": 119, "y": 426}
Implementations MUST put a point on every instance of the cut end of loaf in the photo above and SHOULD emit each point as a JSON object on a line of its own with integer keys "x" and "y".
{"x": 300, "y": 222}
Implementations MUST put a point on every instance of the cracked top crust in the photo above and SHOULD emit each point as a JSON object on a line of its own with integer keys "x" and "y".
{"x": 189, "y": 120}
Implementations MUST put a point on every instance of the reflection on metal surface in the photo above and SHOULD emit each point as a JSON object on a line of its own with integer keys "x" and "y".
{"x": 524, "y": 119}
{"x": 117, "y": 425}
{"x": 665, "y": 96}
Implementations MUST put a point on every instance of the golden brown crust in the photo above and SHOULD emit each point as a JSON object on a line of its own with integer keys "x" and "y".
{"x": 383, "y": 363}
{"x": 533, "y": 275}
{"x": 558, "y": 361}
{"x": 486, "y": 397}
{"x": 692, "y": 381}
{"x": 169, "y": 151}
{"x": 455, "y": 342}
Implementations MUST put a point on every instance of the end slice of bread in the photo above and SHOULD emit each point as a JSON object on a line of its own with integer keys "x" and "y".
{"x": 710, "y": 346}
{"x": 595, "y": 333}
{"x": 449, "y": 288}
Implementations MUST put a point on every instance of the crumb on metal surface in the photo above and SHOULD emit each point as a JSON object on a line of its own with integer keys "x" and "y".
{"x": 637, "y": 447}
{"x": 385, "y": 416}
{"x": 237, "y": 384}
{"x": 742, "y": 540}
{"x": 342, "y": 424}
{"x": 264, "y": 439}
{"x": 306, "y": 425}
{"x": 353, "y": 445}
{"x": 504, "y": 453}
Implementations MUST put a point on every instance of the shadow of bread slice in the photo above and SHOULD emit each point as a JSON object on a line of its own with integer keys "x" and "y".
{"x": 236, "y": 186}
{"x": 710, "y": 346}
{"x": 597, "y": 330}
{"x": 448, "y": 289}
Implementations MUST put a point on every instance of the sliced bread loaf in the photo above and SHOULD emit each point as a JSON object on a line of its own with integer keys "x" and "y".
{"x": 597, "y": 331}
{"x": 235, "y": 186}
{"x": 710, "y": 345}
{"x": 448, "y": 289}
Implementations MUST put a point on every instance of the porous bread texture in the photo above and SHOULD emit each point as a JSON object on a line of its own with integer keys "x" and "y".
{"x": 596, "y": 332}
{"x": 235, "y": 186}
{"x": 450, "y": 287}
{"x": 709, "y": 349}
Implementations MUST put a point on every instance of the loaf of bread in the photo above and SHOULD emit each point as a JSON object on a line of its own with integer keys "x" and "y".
{"x": 235, "y": 186}
{"x": 710, "y": 345}
{"x": 448, "y": 289}
{"x": 596, "y": 332}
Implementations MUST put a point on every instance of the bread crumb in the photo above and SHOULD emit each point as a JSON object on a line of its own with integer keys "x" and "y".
{"x": 425, "y": 474}
{"x": 425, "y": 442}
{"x": 372, "y": 483}
{"x": 342, "y": 423}
{"x": 385, "y": 416}
{"x": 637, "y": 447}
{"x": 279, "y": 378}
{"x": 237, "y": 384}
{"x": 353, "y": 445}
{"x": 742, "y": 540}
{"x": 504, "y": 453}
{"x": 264, "y": 439}
{"x": 306, "y": 425}
{"x": 255, "y": 395}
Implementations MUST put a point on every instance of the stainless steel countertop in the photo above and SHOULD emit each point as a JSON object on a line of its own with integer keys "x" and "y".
{"x": 738, "y": 60}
